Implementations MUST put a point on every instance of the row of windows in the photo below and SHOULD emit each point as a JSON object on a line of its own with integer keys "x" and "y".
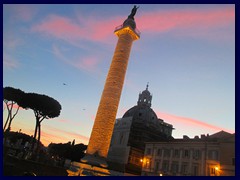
{"x": 212, "y": 154}
{"x": 174, "y": 167}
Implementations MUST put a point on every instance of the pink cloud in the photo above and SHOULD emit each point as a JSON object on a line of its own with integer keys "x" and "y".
{"x": 15, "y": 106}
{"x": 68, "y": 122}
{"x": 89, "y": 63}
{"x": 173, "y": 119}
{"x": 93, "y": 117}
{"x": 50, "y": 134}
{"x": 61, "y": 28}
{"x": 10, "y": 42}
{"x": 9, "y": 62}
{"x": 9, "y": 45}
{"x": 91, "y": 28}
{"x": 187, "y": 22}
{"x": 24, "y": 12}
{"x": 63, "y": 120}
{"x": 63, "y": 135}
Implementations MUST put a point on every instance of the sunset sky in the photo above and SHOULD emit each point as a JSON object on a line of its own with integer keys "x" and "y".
{"x": 185, "y": 52}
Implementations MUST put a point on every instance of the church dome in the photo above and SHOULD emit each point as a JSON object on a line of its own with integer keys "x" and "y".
{"x": 143, "y": 110}
{"x": 141, "y": 113}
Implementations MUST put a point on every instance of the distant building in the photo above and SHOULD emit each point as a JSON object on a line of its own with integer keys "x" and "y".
{"x": 138, "y": 125}
{"x": 212, "y": 155}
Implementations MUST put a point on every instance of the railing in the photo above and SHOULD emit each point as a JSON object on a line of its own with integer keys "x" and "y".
{"x": 137, "y": 31}
{"x": 118, "y": 27}
{"x": 121, "y": 26}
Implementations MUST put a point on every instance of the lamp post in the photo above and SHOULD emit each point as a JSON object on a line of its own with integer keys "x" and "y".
{"x": 218, "y": 171}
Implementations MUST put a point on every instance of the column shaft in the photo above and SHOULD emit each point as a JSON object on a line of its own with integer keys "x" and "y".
{"x": 104, "y": 122}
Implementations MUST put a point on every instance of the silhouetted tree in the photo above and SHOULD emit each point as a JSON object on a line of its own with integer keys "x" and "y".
{"x": 15, "y": 136}
{"x": 67, "y": 150}
{"x": 11, "y": 97}
{"x": 73, "y": 142}
{"x": 44, "y": 107}
{"x": 78, "y": 152}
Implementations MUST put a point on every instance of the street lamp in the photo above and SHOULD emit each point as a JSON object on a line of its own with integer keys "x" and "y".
{"x": 217, "y": 169}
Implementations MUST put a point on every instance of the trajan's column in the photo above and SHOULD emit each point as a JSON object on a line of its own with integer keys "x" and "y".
{"x": 100, "y": 138}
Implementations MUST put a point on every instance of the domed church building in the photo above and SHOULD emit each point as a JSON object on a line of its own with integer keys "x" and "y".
{"x": 138, "y": 125}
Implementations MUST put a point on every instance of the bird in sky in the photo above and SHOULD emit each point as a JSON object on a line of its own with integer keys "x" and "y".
{"x": 64, "y": 84}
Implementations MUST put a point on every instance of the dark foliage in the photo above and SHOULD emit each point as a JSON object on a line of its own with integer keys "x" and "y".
{"x": 44, "y": 105}
{"x": 15, "y": 136}
{"x": 12, "y": 94}
{"x": 68, "y": 151}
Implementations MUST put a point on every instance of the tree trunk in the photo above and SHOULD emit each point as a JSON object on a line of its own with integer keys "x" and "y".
{"x": 39, "y": 134}
{"x": 12, "y": 117}
{"x": 35, "y": 134}
{"x": 9, "y": 112}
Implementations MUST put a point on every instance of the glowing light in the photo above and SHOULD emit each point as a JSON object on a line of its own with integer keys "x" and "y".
{"x": 101, "y": 134}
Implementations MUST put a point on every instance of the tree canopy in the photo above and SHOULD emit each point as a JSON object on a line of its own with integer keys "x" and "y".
{"x": 67, "y": 150}
{"x": 45, "y": 106}
{"x": 11, "y": 97}
{"x": 12, "y": 94}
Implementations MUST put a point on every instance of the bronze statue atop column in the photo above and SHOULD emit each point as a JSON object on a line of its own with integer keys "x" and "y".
{"x": 133, "y": 12}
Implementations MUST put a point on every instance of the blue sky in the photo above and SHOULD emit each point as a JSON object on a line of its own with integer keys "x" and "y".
{"x": 185, "y": 52}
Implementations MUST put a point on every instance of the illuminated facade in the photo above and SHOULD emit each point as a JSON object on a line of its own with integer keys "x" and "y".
{"x": 138, "y": 125}
{"x": 212, "y": 155}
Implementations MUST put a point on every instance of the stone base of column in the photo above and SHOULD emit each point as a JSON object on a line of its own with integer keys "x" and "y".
{"x": 95, "y": 160}
{"x": 86, "y": 169}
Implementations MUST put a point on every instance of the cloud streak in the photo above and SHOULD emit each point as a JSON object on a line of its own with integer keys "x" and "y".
{"x": 173, "y": 119}
{"x": 10, "y": 45}
{"x": 52, "y": 134}
{"x": 187, "y": 22}
{"x": 23, "y": 12}
{"x": 87, "y": 63}
{"x": 65, "y": 121}
{"x": 71, "y": 31}
{"x": 9, "y": 62}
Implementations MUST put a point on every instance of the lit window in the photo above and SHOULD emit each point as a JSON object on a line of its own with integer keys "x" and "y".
{"x": 212, "y": 170}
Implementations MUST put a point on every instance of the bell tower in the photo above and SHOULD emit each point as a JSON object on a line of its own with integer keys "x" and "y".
{"x": 145, "y": 98}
